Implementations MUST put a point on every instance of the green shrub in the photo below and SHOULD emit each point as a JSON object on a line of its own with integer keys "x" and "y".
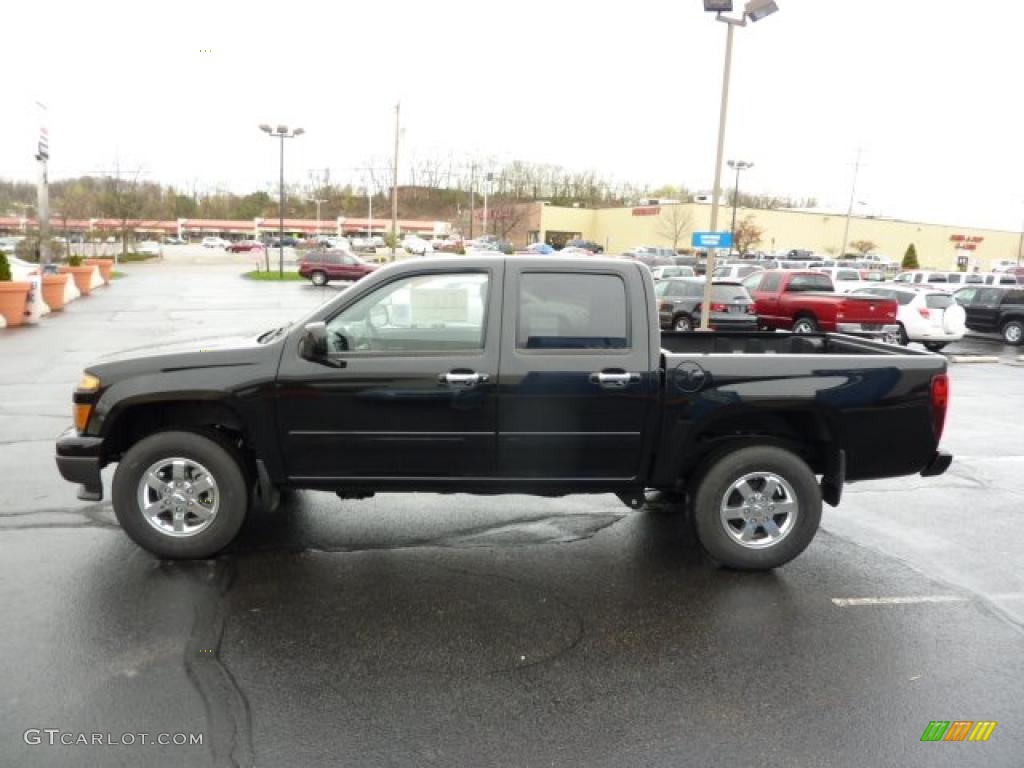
{"x": 74, "y": 260}
{"x": 5, "y": 268}
{"x": 390, "y": 240}
{"x": 910, "y": 258}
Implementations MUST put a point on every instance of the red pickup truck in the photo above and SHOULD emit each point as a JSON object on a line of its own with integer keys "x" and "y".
{"x": 804, "y": 302}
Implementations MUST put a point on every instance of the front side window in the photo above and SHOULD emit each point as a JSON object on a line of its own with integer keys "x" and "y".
{"x": 571, "y": 311}
{"x": 419, "y": 313}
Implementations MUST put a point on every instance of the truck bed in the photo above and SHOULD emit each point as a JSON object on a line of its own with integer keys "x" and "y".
{"x": 861, "y": 394}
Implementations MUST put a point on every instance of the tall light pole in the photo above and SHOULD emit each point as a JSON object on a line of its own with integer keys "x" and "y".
{"x": 394, "y": 184}
{"x": 737, "y": 165}
{"x": 318, "y": 201}
{"x": 755, "y": 10}
{"x": 281, "y": 132}
{"x": 849, "y": 208}
{"x": 487, "y": 184}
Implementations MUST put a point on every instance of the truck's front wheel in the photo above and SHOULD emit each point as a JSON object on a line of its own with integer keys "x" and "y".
{"x": 757, "y": 508}
{"x": 180, "y": 495}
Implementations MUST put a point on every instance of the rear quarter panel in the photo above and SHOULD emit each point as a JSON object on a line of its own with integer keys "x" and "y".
{"x": 876, "y": 407}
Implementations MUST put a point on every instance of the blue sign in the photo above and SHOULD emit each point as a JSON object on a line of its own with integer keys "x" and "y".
{"x": 712, "y": 240}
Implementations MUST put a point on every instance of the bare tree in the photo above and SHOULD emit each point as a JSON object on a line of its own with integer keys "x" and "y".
{"x": 673, "y": 223}
{"x": 863, "y": 247}
{"x": 747, "y": 235}
{"x": 121, "y": 200}
{"x": 504, "y": 216}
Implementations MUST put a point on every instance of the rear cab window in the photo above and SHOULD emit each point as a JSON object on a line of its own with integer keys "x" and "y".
{"x": 800, "y": 283}
{"x": 570, "y": 311}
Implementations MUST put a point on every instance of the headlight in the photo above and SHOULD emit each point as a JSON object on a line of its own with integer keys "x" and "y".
{"x": 88, "y": 383}
{"x": 82, "y": 411}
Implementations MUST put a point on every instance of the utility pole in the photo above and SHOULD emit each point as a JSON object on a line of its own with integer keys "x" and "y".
{"x": 318, "y": 201}
{"x": 472, "y": 196}
{"x": 43, "y": 190}
{"x": 849, "y": 209}
{"x": 487, "y": 183}
{"x": 394, "y": 185}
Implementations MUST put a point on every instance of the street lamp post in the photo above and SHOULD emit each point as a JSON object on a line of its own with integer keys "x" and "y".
{"x": 281, "y": 132}
{"x": 737, "y": 165}
{"x": 754, "y": 10}
{"x": 318, "y": 201}
{"x": 487, "y": 184}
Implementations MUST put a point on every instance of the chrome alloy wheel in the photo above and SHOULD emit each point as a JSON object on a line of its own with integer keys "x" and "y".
{"x": 759, "y": 510}
{"x": 178, "y": 497}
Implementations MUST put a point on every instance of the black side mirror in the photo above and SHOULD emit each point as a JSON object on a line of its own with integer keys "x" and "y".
{"x": 313, "y": 344}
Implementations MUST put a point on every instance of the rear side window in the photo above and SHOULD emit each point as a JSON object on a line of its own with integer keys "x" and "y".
{"x": 571, "y": 311}
{"x": 810, "y": 283}
{"x": 954, "y": 277}
{"x": 1014, "y": 297}
{"x": 938, "y": 300}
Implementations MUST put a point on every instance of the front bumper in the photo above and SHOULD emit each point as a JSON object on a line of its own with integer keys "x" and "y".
{"x": 79, "y": 460}
{"x": 938, "y": 464}
{"x": 868, "y": 329}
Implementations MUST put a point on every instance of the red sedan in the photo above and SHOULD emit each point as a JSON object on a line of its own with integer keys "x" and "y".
{"x": 323, "y": 266}
{"x": 245, "y": 246}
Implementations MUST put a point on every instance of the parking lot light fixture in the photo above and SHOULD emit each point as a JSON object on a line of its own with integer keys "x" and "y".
{"x": 282, "y": 133}
{"x": 755, "y": 10}
{"x": 737, "y": 165}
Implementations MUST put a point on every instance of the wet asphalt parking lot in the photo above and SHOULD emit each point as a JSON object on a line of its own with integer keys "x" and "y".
{"x": 511, "y": 631}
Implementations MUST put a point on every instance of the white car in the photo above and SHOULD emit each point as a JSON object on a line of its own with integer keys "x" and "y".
{"x": 215, "y": 242}
{"x": 847, "y": 279}
{"x": 925, "y": 315}
{"x": 150, "y": 248}
{"x": 663, "y": 273}
{"x": 736, "y": 271}
{"x": 417, "y": 246}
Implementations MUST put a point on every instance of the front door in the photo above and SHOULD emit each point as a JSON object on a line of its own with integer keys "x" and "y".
{"x": 576, "y": 385}
{"x": 413, "y": 393}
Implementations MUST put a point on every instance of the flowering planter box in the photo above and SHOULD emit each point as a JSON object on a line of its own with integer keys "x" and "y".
{"x": 53, "y": 290}
{"x": 13, "y": 296}
{"x": 82, "y": 277}
{"x": 106, "y": 267}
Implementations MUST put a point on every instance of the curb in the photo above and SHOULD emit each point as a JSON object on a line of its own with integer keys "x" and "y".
{"x": 973, "y": 359}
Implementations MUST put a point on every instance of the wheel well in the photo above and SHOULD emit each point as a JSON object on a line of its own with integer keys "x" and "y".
{"x": 139, "y": 421}
{"x": 805, "y": 313}
{"x": 805, "y": 433}
{"x": 1012, "y": 319}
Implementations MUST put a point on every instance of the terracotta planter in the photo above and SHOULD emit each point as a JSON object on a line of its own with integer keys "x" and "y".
{"x": 53, "y": 290}
{"x": 13, "y": 296}
{"x": 82, "y": 277}
{"x": 106, "y": 267}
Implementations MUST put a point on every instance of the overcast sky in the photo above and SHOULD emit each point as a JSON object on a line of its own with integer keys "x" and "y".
{"x": 930, "y": 89}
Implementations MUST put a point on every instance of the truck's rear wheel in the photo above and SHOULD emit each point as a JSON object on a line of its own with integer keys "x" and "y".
{"x": 180, "y": 494}
{"x": 1013, "y": 332}
{"x": 757, "y": 508}
{"x": 682, "y": 323}
{"x": 805, "y": 324}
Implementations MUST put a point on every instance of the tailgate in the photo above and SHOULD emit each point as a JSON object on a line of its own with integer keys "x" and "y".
{"x": 868, "y": 309}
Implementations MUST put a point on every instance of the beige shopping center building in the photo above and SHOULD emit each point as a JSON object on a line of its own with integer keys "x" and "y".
{"x": 618, "y": 229}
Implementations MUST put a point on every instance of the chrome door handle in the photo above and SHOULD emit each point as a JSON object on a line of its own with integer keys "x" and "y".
{"x": 614, "y": 380}
{"x": 463, "y": 379}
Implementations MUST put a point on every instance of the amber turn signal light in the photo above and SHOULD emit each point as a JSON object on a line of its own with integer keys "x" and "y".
{"x": 82, "y": 412}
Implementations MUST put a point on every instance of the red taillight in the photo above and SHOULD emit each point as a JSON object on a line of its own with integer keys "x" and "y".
{"x": 924, "y": 312}
{"x": 719, "y": 307}
{"x": 940, "y": 402}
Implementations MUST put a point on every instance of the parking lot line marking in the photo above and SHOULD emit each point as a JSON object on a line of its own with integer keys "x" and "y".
{"x": 848, "y": 602}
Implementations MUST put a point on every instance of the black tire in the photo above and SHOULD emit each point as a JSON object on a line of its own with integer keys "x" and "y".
{"x": 1013, "y": 332}
{"x": 224, "y": 466}
{"x": 805, "y": 324}
{"x": 711, "y": 495}
{"x": 682, "y": 323}
{"x": 318, "y": 278}
{"x": 935, "y": 346}
{"x": 901, "y": 336}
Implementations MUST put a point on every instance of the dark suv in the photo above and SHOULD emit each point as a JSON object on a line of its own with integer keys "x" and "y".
{"x": 587, "y": 245}
{"x": 994, "y": 310}
{"x": 323, "y": 266}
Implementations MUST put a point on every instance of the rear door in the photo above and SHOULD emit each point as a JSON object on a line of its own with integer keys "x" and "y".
{"x": 576, "y": 386}
{"x": 983, "y": 311}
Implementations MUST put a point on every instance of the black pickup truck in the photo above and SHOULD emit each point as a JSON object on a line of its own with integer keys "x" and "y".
{"x": 544, "y": 376}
